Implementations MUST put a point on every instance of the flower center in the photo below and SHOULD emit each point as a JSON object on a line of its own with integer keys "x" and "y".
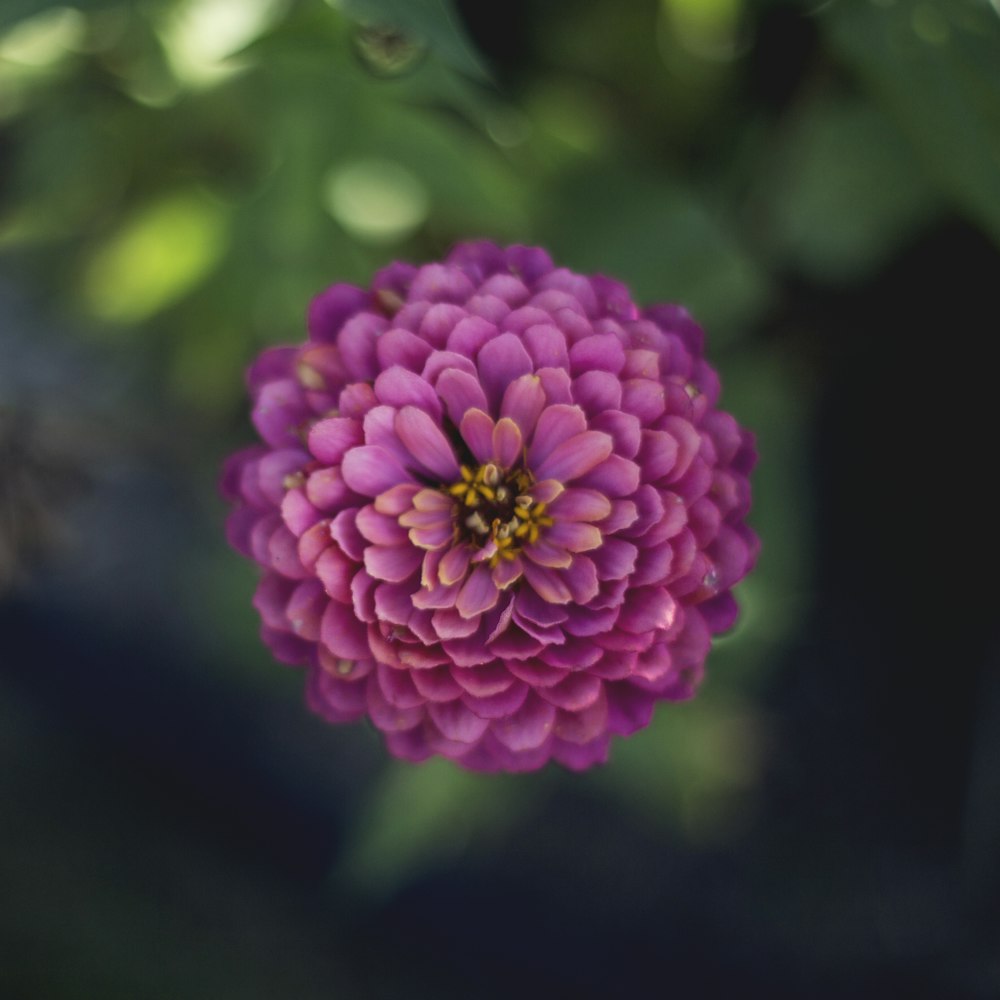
{"x": 495, "y": 510}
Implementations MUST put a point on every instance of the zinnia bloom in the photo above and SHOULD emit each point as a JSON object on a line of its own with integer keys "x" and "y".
{"x": 496, "y": 508}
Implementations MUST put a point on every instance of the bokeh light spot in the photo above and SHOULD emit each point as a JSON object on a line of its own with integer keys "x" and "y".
{"x": 376, "y": 201}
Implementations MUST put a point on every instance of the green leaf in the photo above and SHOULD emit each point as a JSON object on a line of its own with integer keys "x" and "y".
{"x": 435, "y": 22}
{"x": 418, "y": 816}
{"x": 935, "y": 68}
{"x": 844, "y": 190}
{"x": 658, "y": 236}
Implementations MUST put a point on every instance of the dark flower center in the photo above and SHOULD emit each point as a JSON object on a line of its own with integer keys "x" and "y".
{"x": 495, "y": 510}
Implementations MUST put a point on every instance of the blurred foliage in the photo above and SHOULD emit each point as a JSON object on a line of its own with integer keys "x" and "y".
{"x": 179, "y": 177}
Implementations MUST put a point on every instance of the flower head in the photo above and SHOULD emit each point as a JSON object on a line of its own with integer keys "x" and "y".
{"x": 496, "y": 508}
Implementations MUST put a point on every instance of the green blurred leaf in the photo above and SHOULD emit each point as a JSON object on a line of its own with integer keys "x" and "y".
{"x": 434, "y": 21}
{"x": 417, "y": 816}
{"x": 935, "y": 68}
{"x": 845, "y": 191}
{"x": 13, "y": 11}
{"x": 657, "y": 235}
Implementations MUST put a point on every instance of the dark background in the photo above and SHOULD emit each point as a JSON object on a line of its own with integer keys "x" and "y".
{"x": 819, "y": 182}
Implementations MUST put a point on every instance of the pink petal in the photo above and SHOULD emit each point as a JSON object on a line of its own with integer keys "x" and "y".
{"x": 394, "y": 563}
{"x": 556, "y": 424}
{"x": 576, "y": 504}
{"x": 500, "y": 361}
{"x": 647, "y": 608}
{"x": 454, "y": 565}
{"x": 397, "y": 499}
{"x": 575, "y": 457}
{"x": 506, "y": 442}
{"x": 371, "y": 470}
{"x": 547, "y": 583}
{"x": 380, "y": 529}
{"x": 547, "y": 345}
{"x": 615, "y": 477}
{"x": 399, "y": 387}
{"x": 336, "y": 571}
{"x": 597, "y": 391}
{"x": 499, "y": 705}
{"x": 478, "y": 593}
{"x": 523, "y": 401}
{"x": 456, "y": 722}
{"x": 460, "y": 393}
{"x": 356, "y": 342}
{"x": 476, "y": 429}
{"x": 397, "y": 687}
{"x": 507, "y": 571}
{"x": 330, "y": 439}
{"x": 576, "y": 536}
{"x": 436, "y": 684}
{"x": 449, "y": 624}
{"x": 329, "y": 310}
{"x": 342, "y": 633}
{"x": 615, "y": 559}
{"x": 544, "y": 554}
{"x": 426, "y": 442}
{"x": 578, "y": 691}
{"x": 402, "y": 347}
{"x": 657, "y": 455}
{"x": 527, "y": 728}
{"x": 483, "y": 681}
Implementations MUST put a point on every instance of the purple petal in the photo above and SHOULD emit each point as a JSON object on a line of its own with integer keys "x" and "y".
{"x": 440, "y": 283}
{"x": 381, "y": 529}
{"x": 577, "y": 504}
{"x": 483, "y": 682}
{"x": 402, "y": 347}
{"x": 478, "y": 593}
{"x": 456, "y": 722}
{"x": 495, "y": 706}
{"x": 657, "y": 455}
{"x": 624, "y": 429}
{"x": 500, "y": 362}
{"x": 371, "y": 470}
{"x": 575, "y": 536}
{"x": 575, "y": 457}
{"x": 536, "y": 609}
{"x": 330, "y": 439}
{"x": 397, "y": 687}
{"x": 356, "y": 342}
{"x": 547, "y": 583}
{"x": 547, "y": 345}
{"x": 601, "y": 351}
{"x": 556, "y": 424}
{"x": 578, "y": 691}
{"x": 476, "y": 429}
{"x": 506, "y": 442}
{"x": 597, "y": 391}
{"x": 470, "y": 335}
{"x": 647, "y": 608}
{"x": 544, "y": 554}
{"x": 392, "y": 562}
{"x": 454, "y": 565}
{"x": 399, "y": 387}
{"x": 329, "y": 310}
{"x": 298, "y": 513}
{"x": 344, "y": 531}
{"x": 528, "y": 727}
{"x": 436, "y": 684}
{"x": 387, "y": 717}
{"x": 644, "y": 398}
{"x": 615, "y": 559}
{"x": 397, "y": 500}
{"x": 342, "y": 633}
{"x": 449, "y": 624}
{"x": 507, "y": 571}
{"x": 426, "y": 442}
{"x": 523, "y": 401}
{"x": 336, "y": 571}
{"x": 460, "y": 392}
{"x": 614, "y": 477}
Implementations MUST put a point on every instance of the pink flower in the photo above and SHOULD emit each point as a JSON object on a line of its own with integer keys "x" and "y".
{"x": 496, "y": 508}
